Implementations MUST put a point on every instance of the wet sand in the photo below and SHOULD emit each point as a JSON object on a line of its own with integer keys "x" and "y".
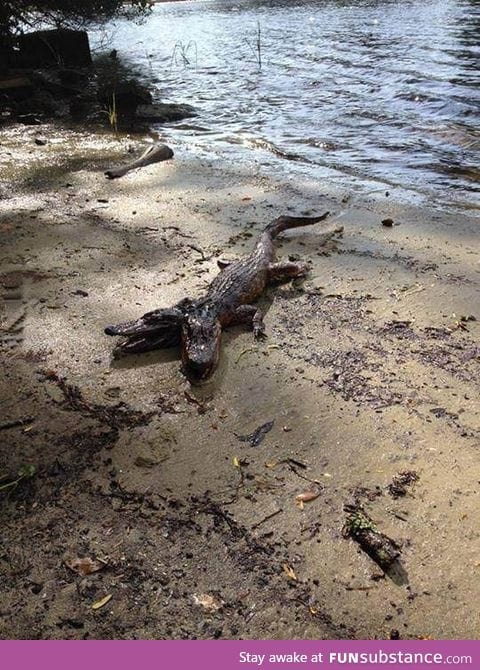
{"x": 370, "y": 369}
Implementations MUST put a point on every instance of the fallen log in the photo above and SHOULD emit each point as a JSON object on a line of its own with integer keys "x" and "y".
{"x": 154, "y": 154}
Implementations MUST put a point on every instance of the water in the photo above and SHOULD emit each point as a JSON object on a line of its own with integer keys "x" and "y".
{"x": 363, "y": 93}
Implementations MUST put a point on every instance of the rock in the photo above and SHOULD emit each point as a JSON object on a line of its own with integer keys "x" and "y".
{"x": 73, "y": 79}
{"x": 46, "y": 48}
{"x": 164, "y": 112}
{"x": 86, "y": 106}
{"x": 15, "y": 84}
{"x": 128, "y": 95}
{"x": 39, "y": 103}
{"x": 29, "y": 119}
{"x": 48, "y": 81}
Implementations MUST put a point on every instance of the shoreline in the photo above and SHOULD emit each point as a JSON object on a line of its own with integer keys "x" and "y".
{"x": 369, "y": 370}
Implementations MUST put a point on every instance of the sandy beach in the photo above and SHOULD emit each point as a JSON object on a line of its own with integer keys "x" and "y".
{"x": 370, "y": 370}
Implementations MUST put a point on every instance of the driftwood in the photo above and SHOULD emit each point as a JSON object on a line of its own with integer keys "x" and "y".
{"x": 154, "y": 154}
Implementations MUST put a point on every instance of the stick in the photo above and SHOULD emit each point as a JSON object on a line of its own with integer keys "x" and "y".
{"x": 17, "y": 422}
{"x": 266, "y": 518}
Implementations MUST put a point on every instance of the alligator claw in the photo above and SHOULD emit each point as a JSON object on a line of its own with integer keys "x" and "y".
{"x": 259, "y": 333}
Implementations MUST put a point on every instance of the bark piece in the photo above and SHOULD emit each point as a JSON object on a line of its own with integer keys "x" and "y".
{"x": 381, "y": 549}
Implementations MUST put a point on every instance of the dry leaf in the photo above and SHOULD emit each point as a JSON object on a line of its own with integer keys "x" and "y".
{"x": 84, "y": 566}
{"x": 289, "y": 572}
{"x": 208, "y": 602}
{"x": 271, "y": 465}
{"x": 306, "y": 496}
{"x": 236, "y": 462}
{"x": 100, "y": 603}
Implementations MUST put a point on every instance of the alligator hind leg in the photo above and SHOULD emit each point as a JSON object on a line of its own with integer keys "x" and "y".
{"x": 285, "y": 271}
{"x": 251, "y": 315}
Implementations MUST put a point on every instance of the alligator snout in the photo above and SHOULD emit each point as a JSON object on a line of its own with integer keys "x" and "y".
{"x": 197, "y": 372}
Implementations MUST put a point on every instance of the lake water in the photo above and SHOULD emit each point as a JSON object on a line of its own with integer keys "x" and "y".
{"x": 367, "y": 94}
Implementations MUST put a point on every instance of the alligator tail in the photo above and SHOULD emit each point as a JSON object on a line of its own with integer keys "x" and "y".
{"x": 286, "y": 222}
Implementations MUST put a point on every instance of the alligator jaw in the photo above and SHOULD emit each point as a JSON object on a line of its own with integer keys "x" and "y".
{"x": 157, "y": 322}
{"x": 137, "y": 344}
{"x": 154, "y": 330}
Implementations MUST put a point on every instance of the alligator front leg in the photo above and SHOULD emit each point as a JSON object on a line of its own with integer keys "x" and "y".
{"x": 251, "y": 315}
{"x": 286, "y": 271}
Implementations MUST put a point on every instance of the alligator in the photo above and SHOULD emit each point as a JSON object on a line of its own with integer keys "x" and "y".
{"x": 197, "y": 324}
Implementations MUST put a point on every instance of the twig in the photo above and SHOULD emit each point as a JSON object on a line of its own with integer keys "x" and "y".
{"x": 245, "y": 351}
{"x": 198, "y": 250}
{"x": 177, "y": 230}
{"x": 202, "y": 406}
{"x": 17, "y": 422}
{"x": 266, "y": 518}
{"x": 259, "y": 45}
{"x": 307, "y": 479}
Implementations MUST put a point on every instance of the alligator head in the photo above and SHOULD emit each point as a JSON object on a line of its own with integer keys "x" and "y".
{"x": 201, "y": 335}
{"x": 154, "y": 330}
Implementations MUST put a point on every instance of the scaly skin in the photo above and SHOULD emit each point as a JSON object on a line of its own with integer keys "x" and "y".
{"x": 197, "y": 324}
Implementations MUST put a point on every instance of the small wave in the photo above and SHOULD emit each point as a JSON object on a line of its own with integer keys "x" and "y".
{"x": 266, "y": 145}
{"x": 317, "y": 143}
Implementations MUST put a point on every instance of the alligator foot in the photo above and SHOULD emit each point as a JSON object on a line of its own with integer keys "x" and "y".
{"x": 252, "y": 316}
{"x": 258, "y": 326}
{"x": 278, "y": 272}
